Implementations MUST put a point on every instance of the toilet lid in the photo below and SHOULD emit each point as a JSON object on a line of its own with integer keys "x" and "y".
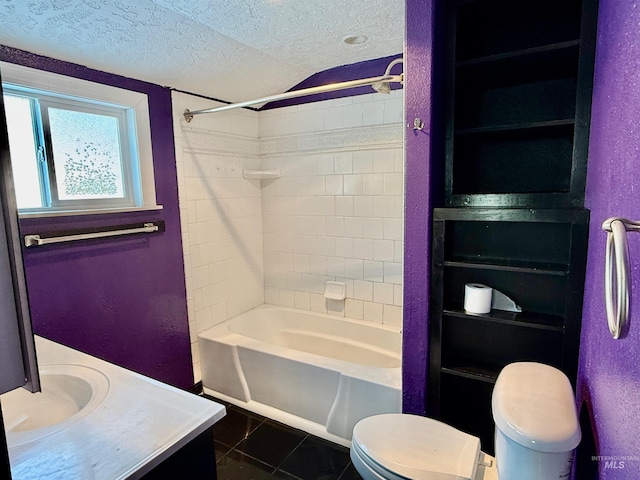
{"x": 533, "y": 404}
{"x": 417, "y": 447}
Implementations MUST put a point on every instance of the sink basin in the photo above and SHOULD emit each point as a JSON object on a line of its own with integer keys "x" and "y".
{"x": 69, "y": 393}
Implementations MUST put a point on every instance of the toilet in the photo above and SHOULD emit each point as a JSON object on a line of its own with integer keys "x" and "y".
{"x": 536, "y": 433}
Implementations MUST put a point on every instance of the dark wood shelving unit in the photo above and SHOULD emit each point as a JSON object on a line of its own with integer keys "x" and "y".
{"x": 517, "y": 103}
{"x": 518, "y": 99}
{"x": 537, "y": 258}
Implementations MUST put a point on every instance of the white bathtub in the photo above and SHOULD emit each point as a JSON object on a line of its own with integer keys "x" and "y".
{"x": 315, "y": 372}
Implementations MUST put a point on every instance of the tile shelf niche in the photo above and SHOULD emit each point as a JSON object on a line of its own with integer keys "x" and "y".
{"x": 261, "y": 174}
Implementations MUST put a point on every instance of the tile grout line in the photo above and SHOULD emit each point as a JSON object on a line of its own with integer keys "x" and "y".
{"x": 263, "y": 420}
{"x": 345, "y": 469}
{"x": 289, "y": 455}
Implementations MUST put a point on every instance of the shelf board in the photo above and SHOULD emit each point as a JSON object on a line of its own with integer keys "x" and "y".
{"x": 499, "y": 57}
{"x": 505, "y": 214}
{"x": 472, "y": 372}
{"x": 550, "y": 124}
{"x": 522, "y": 200}
{"x": 517, "y": 69}
{"x": 537, "y": 268}
{"x": 540, "y": 321}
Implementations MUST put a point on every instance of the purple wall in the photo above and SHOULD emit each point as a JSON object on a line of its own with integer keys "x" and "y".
{"x": 609, "y": 372}
{"x": 419, "y": 154}
{"x": 121, "y": 299}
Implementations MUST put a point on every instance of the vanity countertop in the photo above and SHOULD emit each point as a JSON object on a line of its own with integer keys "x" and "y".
{"x": 140, "y": 423}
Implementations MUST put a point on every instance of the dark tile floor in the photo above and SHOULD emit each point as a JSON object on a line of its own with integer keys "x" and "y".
{"x": 251, "y": 447}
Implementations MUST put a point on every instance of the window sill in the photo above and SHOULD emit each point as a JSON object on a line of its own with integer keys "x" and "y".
{"x": 74, "y": 213}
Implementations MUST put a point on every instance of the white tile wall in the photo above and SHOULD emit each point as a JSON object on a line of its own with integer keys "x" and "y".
{"x": 221, "y": 215}
{"x": 335, "y": 213}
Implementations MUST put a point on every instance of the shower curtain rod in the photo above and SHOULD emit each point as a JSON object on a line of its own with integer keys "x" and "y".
{"x": 332, "y": 87}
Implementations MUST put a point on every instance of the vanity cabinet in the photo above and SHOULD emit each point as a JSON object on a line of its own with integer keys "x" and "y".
{"x": 535, "y": 257}
{"x": 194, "y": 460}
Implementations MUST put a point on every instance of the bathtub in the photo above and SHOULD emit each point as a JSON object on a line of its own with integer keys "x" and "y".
{"x": 315, "y": 372}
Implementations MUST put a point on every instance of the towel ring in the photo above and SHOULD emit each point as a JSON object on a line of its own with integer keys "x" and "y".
{"x": 616, "y": 275}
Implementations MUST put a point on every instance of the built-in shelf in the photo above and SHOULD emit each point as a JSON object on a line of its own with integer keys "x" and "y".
{"x": 472, "y": 372}
{"x": 509, "y": 266}
{"x": 550, "y": 124}
{"x": 518, "y": 83}
{"x": 504, "y": 71}
{"x": 517, "y": 87}
{"x": 518, "y": 54}
{"x": 541, "y": 321}
{"x": 535, "y": 257}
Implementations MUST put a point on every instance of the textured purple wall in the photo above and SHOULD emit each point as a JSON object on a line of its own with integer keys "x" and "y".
{"x": 609, "y": 372}
{"x": 418, "y": 88}
{"x": 123, "y": 299}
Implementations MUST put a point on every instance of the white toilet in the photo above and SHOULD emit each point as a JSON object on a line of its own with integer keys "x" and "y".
{"x": 536, "y": 432}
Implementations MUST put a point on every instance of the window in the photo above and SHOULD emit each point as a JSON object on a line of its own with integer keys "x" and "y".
{"x": 68, "y": 154}
{"x": 76, "y": 146}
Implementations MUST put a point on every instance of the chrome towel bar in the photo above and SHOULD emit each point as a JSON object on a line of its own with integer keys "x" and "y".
{"x": 616, "y": 273}
{"x": 36, "y": 240}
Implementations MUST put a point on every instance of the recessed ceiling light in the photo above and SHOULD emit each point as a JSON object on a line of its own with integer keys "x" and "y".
{"x": 354, "y": 39}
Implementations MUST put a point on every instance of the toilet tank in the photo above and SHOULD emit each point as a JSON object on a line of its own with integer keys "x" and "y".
{"x": 536, "y": 422}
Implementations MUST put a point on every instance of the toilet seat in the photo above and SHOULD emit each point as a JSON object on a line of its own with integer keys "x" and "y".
{"x": 401, "y": 446}
{"x": 368, "y": 468}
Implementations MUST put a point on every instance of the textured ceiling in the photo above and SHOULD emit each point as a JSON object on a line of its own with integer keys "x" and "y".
{"x": 228, "y": 49}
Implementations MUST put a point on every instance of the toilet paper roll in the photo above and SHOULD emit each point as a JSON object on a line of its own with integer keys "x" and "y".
{"x": 477, "y": 298}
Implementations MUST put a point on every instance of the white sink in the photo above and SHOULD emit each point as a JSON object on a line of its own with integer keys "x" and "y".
{"x": 69, "y": 393}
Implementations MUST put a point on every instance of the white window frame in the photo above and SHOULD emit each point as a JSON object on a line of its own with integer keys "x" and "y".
{"x": 137, "y": 111}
